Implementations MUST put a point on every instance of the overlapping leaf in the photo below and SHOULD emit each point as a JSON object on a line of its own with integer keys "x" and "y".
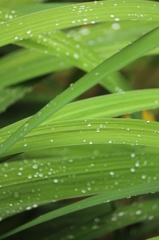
{"x": 77, "y": 151}
{"x": 128, "y": 54}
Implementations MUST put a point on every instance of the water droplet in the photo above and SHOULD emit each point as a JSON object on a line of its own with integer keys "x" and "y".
{"x": 55, "y": 180}
{"x": 132, "y": 155}
{"x": 132, "y": 169}
{"x": 89, "y": 124}
{"x": 114, "y": 218}
{"x": 70, "y": 160}
{"x": 83, "y": 191}
{"x": 26, "y": 124}
{"x": 35, "y": 166}
{"x": 32, "y": 190}
{"x": 6, "y": 164}
{"x": 121, "y": 214}
{"x": 28, "y": 208}
{"x": 16, "y": 194}
{"x": 115, "y": 26}
{"x": 35, "y": 205}
{"x": 143, "y": 176}
{"x": 138, "y": 212}
{"x": 76, "y": 56}
{"x": 137, "y": 164}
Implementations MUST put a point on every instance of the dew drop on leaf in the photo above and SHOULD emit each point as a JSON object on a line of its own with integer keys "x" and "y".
{"x": 132, "y": 170}
{"x": 132, "y": 155}
{"x": 55, "y": 180}
{"x": 16, "y": 194}
{"x": 29, "y": 31}
{"x": 138, "y": 212}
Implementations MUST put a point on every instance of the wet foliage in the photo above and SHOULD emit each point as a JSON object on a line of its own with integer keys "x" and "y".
{"x": 79, "y": 133}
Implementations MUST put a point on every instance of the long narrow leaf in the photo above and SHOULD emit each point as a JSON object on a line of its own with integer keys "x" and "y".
{"x": 83, "y": 132}
{"x": 117, "y": 61}
{"x": 92, "y": 201}
{"x": 10, "y": 95}
{"x": 75, "y": 15}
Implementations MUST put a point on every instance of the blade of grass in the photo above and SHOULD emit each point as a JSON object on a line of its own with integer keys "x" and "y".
{"x": 10, "y": 4}
{"x": 9, "y": 96}
{"x": 116, "y": 62}
{"x": 32, "y": 8}
{"x": 29, "y": 64}
{"x": 107, "y": 221}
{"x": 104, "y": 106}
{"x": 75, "y": 15}
{"x": 116, "y": 83}
{"x": 53, "y": 45}
{"x": 154, "y": 238}
{"x": 92, "y": 201}
{"x": 45, "y": 175}
{"x": 111, "y": 105}
{"x": 81, "y": 132}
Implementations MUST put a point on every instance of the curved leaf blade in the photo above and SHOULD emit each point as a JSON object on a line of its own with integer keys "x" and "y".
{"x": 92, "y": 201}
{"x": 75, "y": 15}
{"x": 114, "y": 63}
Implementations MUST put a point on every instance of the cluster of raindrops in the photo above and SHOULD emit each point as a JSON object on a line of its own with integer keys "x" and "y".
{"x": 7, "y": 15}
{"x": 138, "y": 211}
{"x": 65, "y": 171}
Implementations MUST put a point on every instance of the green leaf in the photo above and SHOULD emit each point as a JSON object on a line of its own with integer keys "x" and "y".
{"x": 9, "y": 96}
{"x": 73, "y": 171}
{"x": 154, "y": 238}
{"x": 79, "y": 150}
{"x": 117, "y": 61}
{"x": 100, "y": 220}
{"x": 16, "y": 3}
{"x": 75, "y": 15}
{"x": 92, "y": 201}
{"x": 83, "y": 132}
{"x": 28, "y": 64}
